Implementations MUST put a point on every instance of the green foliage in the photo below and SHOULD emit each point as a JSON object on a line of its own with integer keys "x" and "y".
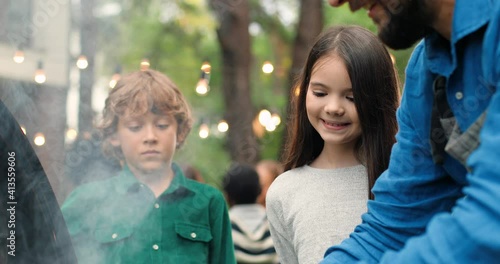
{"x": 176, "y": 47}
{"x": 207, "y": 155}
{"x": 177, "y": 36}
{"x": 271, "y": 143}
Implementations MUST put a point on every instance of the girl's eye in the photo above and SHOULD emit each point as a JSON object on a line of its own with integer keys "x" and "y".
{"x": 350, "y": 98}
{"x": 162, "y": 126}
{"x": 319, "y": 94}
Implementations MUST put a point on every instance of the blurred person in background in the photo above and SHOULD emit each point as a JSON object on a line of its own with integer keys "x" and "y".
{"x": 250, "y": 228}
{"x": 192, "y": 173}
{"x": 268, "y": 170}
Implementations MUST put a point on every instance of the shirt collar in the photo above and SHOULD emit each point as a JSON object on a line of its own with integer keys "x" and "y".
{"x": 468, "y": 17}
{"x": 178, "y": 186}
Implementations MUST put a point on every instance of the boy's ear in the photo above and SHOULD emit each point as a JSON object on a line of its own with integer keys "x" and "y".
{"x": 114, "y": 141}
{"x": 180, "y": 140}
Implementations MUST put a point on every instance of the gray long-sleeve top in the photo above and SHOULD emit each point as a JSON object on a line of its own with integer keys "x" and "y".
{"x": 311, "y": 209}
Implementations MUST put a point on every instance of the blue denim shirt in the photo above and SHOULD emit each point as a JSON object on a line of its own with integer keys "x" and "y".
{"x": 428, "y": 213}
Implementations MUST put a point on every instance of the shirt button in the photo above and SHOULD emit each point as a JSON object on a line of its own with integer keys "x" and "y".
{"x": 193, "y": 235}
{"x": 114, "y": 236}
{"x": 157, "y": 205}
{"x": 459, "y": 95}
{"x": 155, "y": 247}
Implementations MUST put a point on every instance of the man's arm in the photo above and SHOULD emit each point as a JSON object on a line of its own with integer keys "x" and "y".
{"x": 471, "y": 232}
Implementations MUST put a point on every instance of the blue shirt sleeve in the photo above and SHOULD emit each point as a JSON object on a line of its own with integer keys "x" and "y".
{"x": 471, "y": 232}
{"x": 420, "y": 214}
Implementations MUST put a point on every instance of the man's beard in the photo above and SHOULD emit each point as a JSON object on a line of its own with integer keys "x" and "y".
{"x": 406, "y": 26}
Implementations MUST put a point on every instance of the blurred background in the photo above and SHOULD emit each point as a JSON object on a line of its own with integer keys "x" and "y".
{"x": 234, "y": 60}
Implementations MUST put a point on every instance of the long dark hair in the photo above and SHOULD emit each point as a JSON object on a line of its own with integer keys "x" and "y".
{"x": 376, "y": 97}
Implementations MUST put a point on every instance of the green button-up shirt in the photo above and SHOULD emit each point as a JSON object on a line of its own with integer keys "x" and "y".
{"x": 119, "y": 220}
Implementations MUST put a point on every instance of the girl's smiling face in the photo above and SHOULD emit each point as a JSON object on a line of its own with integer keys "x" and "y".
{"x": 330, "y": 103}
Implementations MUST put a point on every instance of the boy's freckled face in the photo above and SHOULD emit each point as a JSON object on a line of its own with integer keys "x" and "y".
{"x": 148, "y": 142}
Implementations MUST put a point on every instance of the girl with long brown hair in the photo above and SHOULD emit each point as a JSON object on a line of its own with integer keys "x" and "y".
{"x": 342, "y": 126}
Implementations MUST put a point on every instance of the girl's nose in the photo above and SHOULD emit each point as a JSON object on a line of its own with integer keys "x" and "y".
{"x": 335, "y": 107}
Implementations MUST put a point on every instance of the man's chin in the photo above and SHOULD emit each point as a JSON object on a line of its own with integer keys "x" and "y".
{"x": 397, "y": 43}
{"x": 398, "y": 39}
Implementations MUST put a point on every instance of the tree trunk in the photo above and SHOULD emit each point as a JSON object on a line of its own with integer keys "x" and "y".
{"x": 234, "y": 40}
{"x": 309, "y": 27}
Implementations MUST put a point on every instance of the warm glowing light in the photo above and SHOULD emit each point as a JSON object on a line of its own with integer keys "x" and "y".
{"x": 297, "y": 91}
{"x": 145, "y": 64}
{"x": 204, "y": 131}
{"x": 71, "y": 134}
{"x": 39, "y": 139}
{"x": 23, "y": 129}
{"x": 202, "y": 87}
{"x": 40, "y": 76}
{"x": 114, "y": 79}
{"x": 40, "y": 73}
{"x": 206, "y": 67}
{"x": 264, "y": 117}
{"x": 270, "y": 127}
{"x": 267, "y": 67}
{"x": 275, "y": 119}
{"x": 82, "y": 62}
{"x": 223, "y": 126}
{"x": 18, "y": 56}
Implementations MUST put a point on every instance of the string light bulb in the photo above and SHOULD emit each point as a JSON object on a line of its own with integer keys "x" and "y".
{"x": 39, "y": 139}
{"x": 268, "y": 121}
{"x": 40, "y": 74}
{"x": 114, "y": 80}
{"x": 82, "y": 62}
{"x": 145, "y": 64}
{"x": 264, "y": 117}
{"x": 275, "y": 119}
{"x": 270, "y": 127}
{"x": 71, "y": 134}
{"x": 18, "y": 56}
{"x": 223, "y": 126}
{"x": 115, "y": 77}
{"x": 202, "y": 87}
{"x": 206, "y": 67}
{"x": 267, "y": 67}
{"x": 204, "y": 131}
